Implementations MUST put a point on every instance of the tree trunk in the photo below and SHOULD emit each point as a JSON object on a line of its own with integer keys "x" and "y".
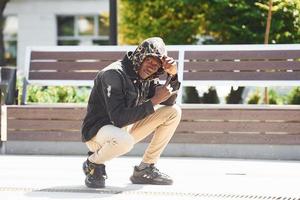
{"x": 267, "y": 33}
{"x": 2, "y": 50}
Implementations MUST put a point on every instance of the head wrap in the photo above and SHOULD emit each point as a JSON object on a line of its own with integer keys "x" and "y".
{"x": 150, "y": 47}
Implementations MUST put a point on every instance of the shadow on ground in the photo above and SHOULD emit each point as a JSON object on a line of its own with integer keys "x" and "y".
{"x": 61, "y": 192}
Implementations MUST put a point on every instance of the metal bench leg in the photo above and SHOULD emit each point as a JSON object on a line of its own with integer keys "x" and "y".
{"x": 2, "y": 148}
{"x": 24, "y": 92}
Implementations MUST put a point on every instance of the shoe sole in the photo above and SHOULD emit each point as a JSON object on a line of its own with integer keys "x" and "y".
{"x": 142, "y": 181}
{"x": 90, "y": 185}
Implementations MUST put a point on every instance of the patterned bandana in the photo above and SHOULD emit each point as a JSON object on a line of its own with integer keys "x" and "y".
{"x": 150, "y": 47}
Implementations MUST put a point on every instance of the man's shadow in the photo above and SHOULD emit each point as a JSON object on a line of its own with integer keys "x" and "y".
{"x": 81, "y": 191}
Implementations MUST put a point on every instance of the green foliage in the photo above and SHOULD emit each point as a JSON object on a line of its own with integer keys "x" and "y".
{"x": 57, "y": 94}
{"x": 254, "y": 98}
{"x": 244, "y": 21}
{"x": 294, "y": 96}
{"x": 177, "y": 22}
{"x": 191, "y": 95}
{"x": 211, "y": 96}
{"x": 274, "y": 97}
{"x": 235, "y": 96}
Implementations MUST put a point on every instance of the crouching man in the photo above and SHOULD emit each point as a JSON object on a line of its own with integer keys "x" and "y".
{"x": 126, "y": 104}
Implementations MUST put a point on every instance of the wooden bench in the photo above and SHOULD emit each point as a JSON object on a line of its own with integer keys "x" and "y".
{"x": 207, "y": 124}
{"x": 231, "y": 65}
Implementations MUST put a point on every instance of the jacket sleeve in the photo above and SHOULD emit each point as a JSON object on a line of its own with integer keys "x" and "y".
{"x": 174, "y": 83}
{"x": 114, "y": 93}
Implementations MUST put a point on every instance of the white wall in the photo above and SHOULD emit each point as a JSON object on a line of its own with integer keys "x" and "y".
{"x": 37, "y": 20}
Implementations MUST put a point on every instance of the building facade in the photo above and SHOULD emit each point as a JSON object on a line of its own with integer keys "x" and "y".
{"x": 53, "y": 22}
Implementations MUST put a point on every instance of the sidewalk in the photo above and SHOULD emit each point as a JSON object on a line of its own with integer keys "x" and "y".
{"x": 61, "y": 177}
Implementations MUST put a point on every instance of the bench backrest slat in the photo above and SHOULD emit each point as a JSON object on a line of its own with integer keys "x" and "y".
{"x": 71, "y": 65}
{"x": 68, "y": 65}
{"x": 245, "y": 54}
{"x": 77, "y": 55}
{"x": 242, "y": 65}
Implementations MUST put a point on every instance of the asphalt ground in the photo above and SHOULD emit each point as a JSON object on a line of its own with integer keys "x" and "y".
{"x": 61, "y": 177}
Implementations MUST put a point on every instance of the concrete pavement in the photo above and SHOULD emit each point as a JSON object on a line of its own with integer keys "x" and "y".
{"x": 61, "y": 177}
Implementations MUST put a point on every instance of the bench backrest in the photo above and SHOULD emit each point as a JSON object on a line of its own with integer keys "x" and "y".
{"x": 72, "y": 66}
{"x": 233, "y": 65}
{"x": 243, "y": 65}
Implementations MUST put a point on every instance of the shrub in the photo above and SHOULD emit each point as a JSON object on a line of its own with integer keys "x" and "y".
{"x": 57, "y": 94}
{"x": 211, "y": 96}
{"x": 254, "y": 98}
{"x": 191, "y": 95}
{"x": 294, "y": 96}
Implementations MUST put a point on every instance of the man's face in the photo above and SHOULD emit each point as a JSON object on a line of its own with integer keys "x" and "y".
{"x": 149, "y": 66}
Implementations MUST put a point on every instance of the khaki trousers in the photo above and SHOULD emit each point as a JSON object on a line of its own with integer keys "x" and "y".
{"x": 111, "y": 141}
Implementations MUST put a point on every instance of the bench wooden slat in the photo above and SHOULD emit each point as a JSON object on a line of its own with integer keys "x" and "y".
{"x": 77, "y": 55}
{"x": 173, "y": 54}
{"x": 68, "y": 65}
{"x": 32, "y": 113}
{"x": 25, "y": 135}
{"x": 288, "y": 76}
{"x": 63, "y": 75}
{"x": 43, "y": 125}
{"x": 240, "y": 114}
{"x": 241, "y": 127}
{"x": 83, "y": 55}
{"x": 231, "y": 55}
{"x": 243, "y": 65}
{"x": 215, "y": 138}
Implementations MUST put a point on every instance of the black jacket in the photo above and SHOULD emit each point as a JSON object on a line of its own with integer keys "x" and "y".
{"x": 119, "y": 97}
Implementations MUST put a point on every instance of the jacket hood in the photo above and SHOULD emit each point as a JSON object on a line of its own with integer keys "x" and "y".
{"x": 150, "y": 47}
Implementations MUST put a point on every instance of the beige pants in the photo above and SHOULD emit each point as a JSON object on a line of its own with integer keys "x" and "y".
{"x": 111, "y": 141}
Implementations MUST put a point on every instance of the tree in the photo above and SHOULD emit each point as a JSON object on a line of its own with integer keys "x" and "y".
{"x": 2, "y": 50}
{"x": 211, "y": 96}
{"x": 244, "y": 21}
{"x": 235, "y": 96}
{"x": 191, "y": 95}
{"x": 294, "y": 96}
{"x": 177, "y": 22}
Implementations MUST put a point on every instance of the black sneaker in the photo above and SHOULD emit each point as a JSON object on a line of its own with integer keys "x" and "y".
{"x": 85, "y": 167}
{"x": 96, "y": 176}
{"x": 150, "y": 175}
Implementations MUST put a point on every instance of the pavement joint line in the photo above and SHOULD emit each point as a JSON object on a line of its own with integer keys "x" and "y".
{"x": 146, "y": 193}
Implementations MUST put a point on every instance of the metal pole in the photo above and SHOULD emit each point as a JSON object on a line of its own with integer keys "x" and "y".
{"x": 113, "y": 25}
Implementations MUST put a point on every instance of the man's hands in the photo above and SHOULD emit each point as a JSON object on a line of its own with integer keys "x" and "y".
{"x": 169, "y": 65}
{"x": 162, "y": 93}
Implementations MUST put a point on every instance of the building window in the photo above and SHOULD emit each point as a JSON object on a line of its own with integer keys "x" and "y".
{"x": 10, "y": 33}
{"x": 83, "y": 30}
